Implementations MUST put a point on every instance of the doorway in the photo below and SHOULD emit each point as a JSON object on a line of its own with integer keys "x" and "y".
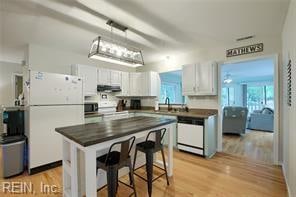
{"x": 18, "y": 85}
{"x": 248, "y": 104}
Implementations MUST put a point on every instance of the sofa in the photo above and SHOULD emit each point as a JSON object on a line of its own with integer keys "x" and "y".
{"x": 234, "y": 119}
{"x": 261, "y": 120}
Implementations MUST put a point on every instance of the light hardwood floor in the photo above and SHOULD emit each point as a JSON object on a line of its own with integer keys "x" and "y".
{"x": 257, "y": 145}
{"x": 222, "y": 176}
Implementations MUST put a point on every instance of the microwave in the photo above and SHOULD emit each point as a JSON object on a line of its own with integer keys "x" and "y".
{"x": 91, "y": 107}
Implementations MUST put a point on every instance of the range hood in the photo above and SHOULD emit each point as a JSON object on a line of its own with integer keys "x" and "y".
{"x": 108, "y": 88}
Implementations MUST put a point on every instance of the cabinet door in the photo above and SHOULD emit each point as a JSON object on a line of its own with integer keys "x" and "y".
{"x": 104, "y": 76}
{"x": 153, "y": 81}
{"x": 125, "y": 83}
{"x": 136, "y": 84}
{"x": 89, "y": 75}
{"x": 115, "y": 78}
{"x": 206, "y": 79}
{"x": 188, "y": 79}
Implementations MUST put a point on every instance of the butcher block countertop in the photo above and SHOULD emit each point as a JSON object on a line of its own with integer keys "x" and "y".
{"x": 94, "y": 133}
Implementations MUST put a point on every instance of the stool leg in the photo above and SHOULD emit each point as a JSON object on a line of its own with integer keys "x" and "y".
{"x": 149, "y": 170}
{"x": 112, "y": 181}
{"x": 135, "y": 158}
{"x": 132, "y": 180}
{"x": 117, "y": 184}
{"x": 165, "y": 167}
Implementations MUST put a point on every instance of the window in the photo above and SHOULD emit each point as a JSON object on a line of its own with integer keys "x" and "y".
{"x": 259, "y": 96}
{"x": 171, "y": 87}
{"x": 228, "y": 97}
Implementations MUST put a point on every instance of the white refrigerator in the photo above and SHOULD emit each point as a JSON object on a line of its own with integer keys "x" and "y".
{"x": 52, "y": 100}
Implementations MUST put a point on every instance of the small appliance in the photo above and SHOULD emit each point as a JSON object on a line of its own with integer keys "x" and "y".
{"x": 135, "y": 104}
{"x": 91, "y": 107}
{"x": 12, "y": 142}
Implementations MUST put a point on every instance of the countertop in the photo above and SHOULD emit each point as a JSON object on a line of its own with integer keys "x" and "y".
{"x": 92, "y": 115}
{"x": 94, "y": 133}
{"x": 195, "y": 113}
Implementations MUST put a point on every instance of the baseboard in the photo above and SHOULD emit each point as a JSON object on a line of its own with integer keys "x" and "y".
{"x": 284, "y": 172}
{"x": 45, "y": 167}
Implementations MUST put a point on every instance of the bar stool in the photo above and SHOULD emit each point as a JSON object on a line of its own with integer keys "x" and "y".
{"x": 150, "y": 147}
{"x": 115, "y": 160}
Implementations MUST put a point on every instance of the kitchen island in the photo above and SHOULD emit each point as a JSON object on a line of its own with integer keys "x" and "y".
{"x": 92, "y": 139}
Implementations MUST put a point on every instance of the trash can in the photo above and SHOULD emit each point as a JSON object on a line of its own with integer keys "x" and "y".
{"x": 12, "y": 153}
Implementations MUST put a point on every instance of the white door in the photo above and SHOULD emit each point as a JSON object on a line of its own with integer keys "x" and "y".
{"x": 116, "y": 78}
{"x": 53, "y": 89}
{"x": 125, "y": 83}
{"x": 104, "y": 76}
{"x": 45, "y": 145}
{"x": 188, "y": 79}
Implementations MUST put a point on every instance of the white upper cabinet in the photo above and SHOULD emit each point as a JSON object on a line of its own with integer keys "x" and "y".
{"x": 109, "y": 77}
{"x": 89, "y": 75}
{"x": 189, "y": 79}
{"x": 115, "y": 77}
{"x": 153, "y": 81}
{"x": 104, "y": 76}
{"x": 200, "y": 79}
{"x": 145, "y": 84}
{"x": 136, "y": 84}
{"x": 125, "y": 84}
{"x": 206, "y": 78}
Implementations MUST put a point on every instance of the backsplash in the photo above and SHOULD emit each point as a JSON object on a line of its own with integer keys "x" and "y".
{"x": 200, "y": 102}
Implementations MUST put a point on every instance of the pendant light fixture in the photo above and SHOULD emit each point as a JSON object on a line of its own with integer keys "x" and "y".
{"x": 227, "y": 78}
{"x": 115, "y": 52}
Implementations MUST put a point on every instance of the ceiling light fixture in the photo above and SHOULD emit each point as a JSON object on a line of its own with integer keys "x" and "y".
{"x": 227, "y": 79}
{"x": 110, "y": 51}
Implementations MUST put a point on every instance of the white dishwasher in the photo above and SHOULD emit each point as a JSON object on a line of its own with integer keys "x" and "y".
{"x": 191, "y": 135}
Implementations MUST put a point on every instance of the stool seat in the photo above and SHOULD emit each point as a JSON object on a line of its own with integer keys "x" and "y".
{"x": 146, "y": 145}
{"x": 112, "y": 160}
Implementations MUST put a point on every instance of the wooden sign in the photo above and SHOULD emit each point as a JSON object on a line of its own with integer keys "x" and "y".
{"x": 255, "y": 48}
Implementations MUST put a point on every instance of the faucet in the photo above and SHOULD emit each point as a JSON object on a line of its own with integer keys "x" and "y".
{"x": 167, "y": 102}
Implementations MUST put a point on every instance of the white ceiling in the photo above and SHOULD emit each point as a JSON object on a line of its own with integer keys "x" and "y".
{"x": 256, "y": 70}
{"x": 158, "y": 27}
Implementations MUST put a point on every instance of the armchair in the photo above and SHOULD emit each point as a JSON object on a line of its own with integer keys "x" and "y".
{"x": 234, "y": 119}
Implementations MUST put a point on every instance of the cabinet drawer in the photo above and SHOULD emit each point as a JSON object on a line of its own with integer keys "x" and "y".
{"x": 191, "y": 135}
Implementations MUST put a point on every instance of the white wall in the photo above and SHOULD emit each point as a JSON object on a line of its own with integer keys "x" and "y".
{"x": 271, "y": 46}
{"x": 46, "y": 59}
{"x": 7, "y": 70}
{"x": 289, "y": 113}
